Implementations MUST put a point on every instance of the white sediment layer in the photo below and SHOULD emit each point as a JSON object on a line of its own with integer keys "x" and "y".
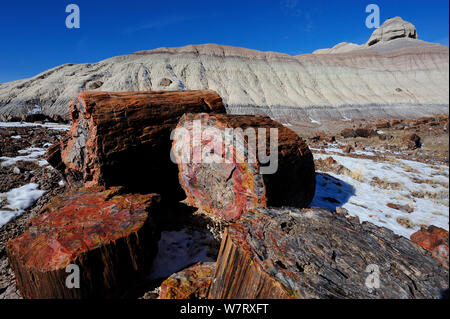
{"x": 396, "y": 77}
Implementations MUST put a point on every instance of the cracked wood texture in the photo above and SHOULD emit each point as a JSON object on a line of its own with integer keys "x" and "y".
{"x": 111, "y": 237}
{"x": 225, "y": 179}
{"x": 314, "y": 253}
{"x": 123, "y": 139}
{"x": 190, "y": 283}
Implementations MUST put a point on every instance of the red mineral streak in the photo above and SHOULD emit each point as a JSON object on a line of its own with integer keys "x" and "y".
{"x": 123, "y": 138}
{"x": 229, "y": 189}
{"x": 78, "y": 227}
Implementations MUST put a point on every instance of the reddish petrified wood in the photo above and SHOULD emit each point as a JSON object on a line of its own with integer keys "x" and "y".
{"x": 314, "y": 253}
{"x": 124, "y": 138}
{"x": 225, "y": 178}
{"x": 109, "y": 235}
{"x": 435, "y": 240}
{"x": 412, "y": 141}
{"x": 190, "y": 283}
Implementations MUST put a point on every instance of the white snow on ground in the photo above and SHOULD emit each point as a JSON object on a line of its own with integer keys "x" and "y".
{"x": 355, "y": 193}
{"x": 51, "y": 126}
{"x": 18, "y": 199}
{"x": 178, "y": 250}
{"x": 314, "y": 121}
{"x": 17, "y": 137}
{"x": 37, "y": 109}
{"x": 30, "y": 154}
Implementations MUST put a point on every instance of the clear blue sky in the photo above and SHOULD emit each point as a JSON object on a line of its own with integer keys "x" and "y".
{"x": 34, "y": 37}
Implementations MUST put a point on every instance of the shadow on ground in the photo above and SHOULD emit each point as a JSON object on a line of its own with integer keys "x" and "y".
{"x": 331, "y": 192}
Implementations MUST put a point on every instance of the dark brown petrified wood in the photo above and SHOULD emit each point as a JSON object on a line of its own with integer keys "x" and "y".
{"x": 110, "y": 236}
{"x": 223, "y": 171}
{"x": 314, "y": 253}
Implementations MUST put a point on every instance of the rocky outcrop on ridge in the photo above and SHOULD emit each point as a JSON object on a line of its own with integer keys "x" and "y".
{"x": 391, "y": 29}
{"x": 402, "y": 77}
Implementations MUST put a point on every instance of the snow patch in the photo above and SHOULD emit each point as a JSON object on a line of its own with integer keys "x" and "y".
{"x": 51, "y": 126}
{"x": 178, "y": 250}
{"x": 35, "y": 110}
{"x": 30, "y": 155}
{"x": 314, "y": 121}
{"x": 19, "y": 199}
{"x": 430, "y": 201}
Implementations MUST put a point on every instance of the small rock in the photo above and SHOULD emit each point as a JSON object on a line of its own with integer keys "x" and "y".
{"x": 365, "y": 132}
{"x": 405, "y": 222}
{"x": 348, "y": 132}
{"x": 348, "y": 149}
{"x": 412, "y": 141}
{"x": 435, "y": 240}
{"x": 341, "y": 211}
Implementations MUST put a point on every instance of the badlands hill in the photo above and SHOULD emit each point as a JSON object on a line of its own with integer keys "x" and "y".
{"x": 393, "y": 74}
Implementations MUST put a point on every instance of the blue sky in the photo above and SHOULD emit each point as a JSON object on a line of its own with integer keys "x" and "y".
{"x": 34, "y": 38}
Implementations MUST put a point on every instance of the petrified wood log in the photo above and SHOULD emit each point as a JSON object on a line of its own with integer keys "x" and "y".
{"x": 434, "y": 240}
{"x": 124, "y": 138}
{"x": 229, "y": 164}
{"x": 313, "y": 253}
{"x": 111, "y": 238}
{"x": 190, "y": 283}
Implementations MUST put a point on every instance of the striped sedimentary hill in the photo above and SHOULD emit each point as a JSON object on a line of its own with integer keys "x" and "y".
{"x": 393, "y": 74}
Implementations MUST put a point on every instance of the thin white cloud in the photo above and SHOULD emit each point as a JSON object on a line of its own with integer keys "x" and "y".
{"x": 160, "y": 23}
{"x": 293, "y": 8}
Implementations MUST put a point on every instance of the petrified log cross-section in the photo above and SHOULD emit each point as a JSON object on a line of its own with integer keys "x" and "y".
{"x": 313, "y": 253}
{"x": 110, "y": 236}
{"x": 123, "y": 139}
{"x": 229, "y": 164}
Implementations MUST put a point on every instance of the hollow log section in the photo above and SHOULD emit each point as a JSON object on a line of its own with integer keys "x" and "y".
{"x": 227, "y": 190}
{"x": 123, "y": 139}
{"x": 313, "y": 253}
{"x": 109, "y": 235}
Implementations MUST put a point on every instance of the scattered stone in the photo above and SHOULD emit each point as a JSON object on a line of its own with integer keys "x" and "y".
{"x": 435, "y": 240}
{"x": 404, "y": 208}
{"x": 330, "y": 165}
{"x": 405, "y": 222}
{"x": 383, "y": 124}
{"x": 94, "y": 85}
{"x": 348, "y": 149}
{"x": 341, "y": 211}
{"x": 412, "y": 141}
{"x": 348, "y": 132}
{"x": 165, "y": 82}
{"x": 365, "y": 132}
